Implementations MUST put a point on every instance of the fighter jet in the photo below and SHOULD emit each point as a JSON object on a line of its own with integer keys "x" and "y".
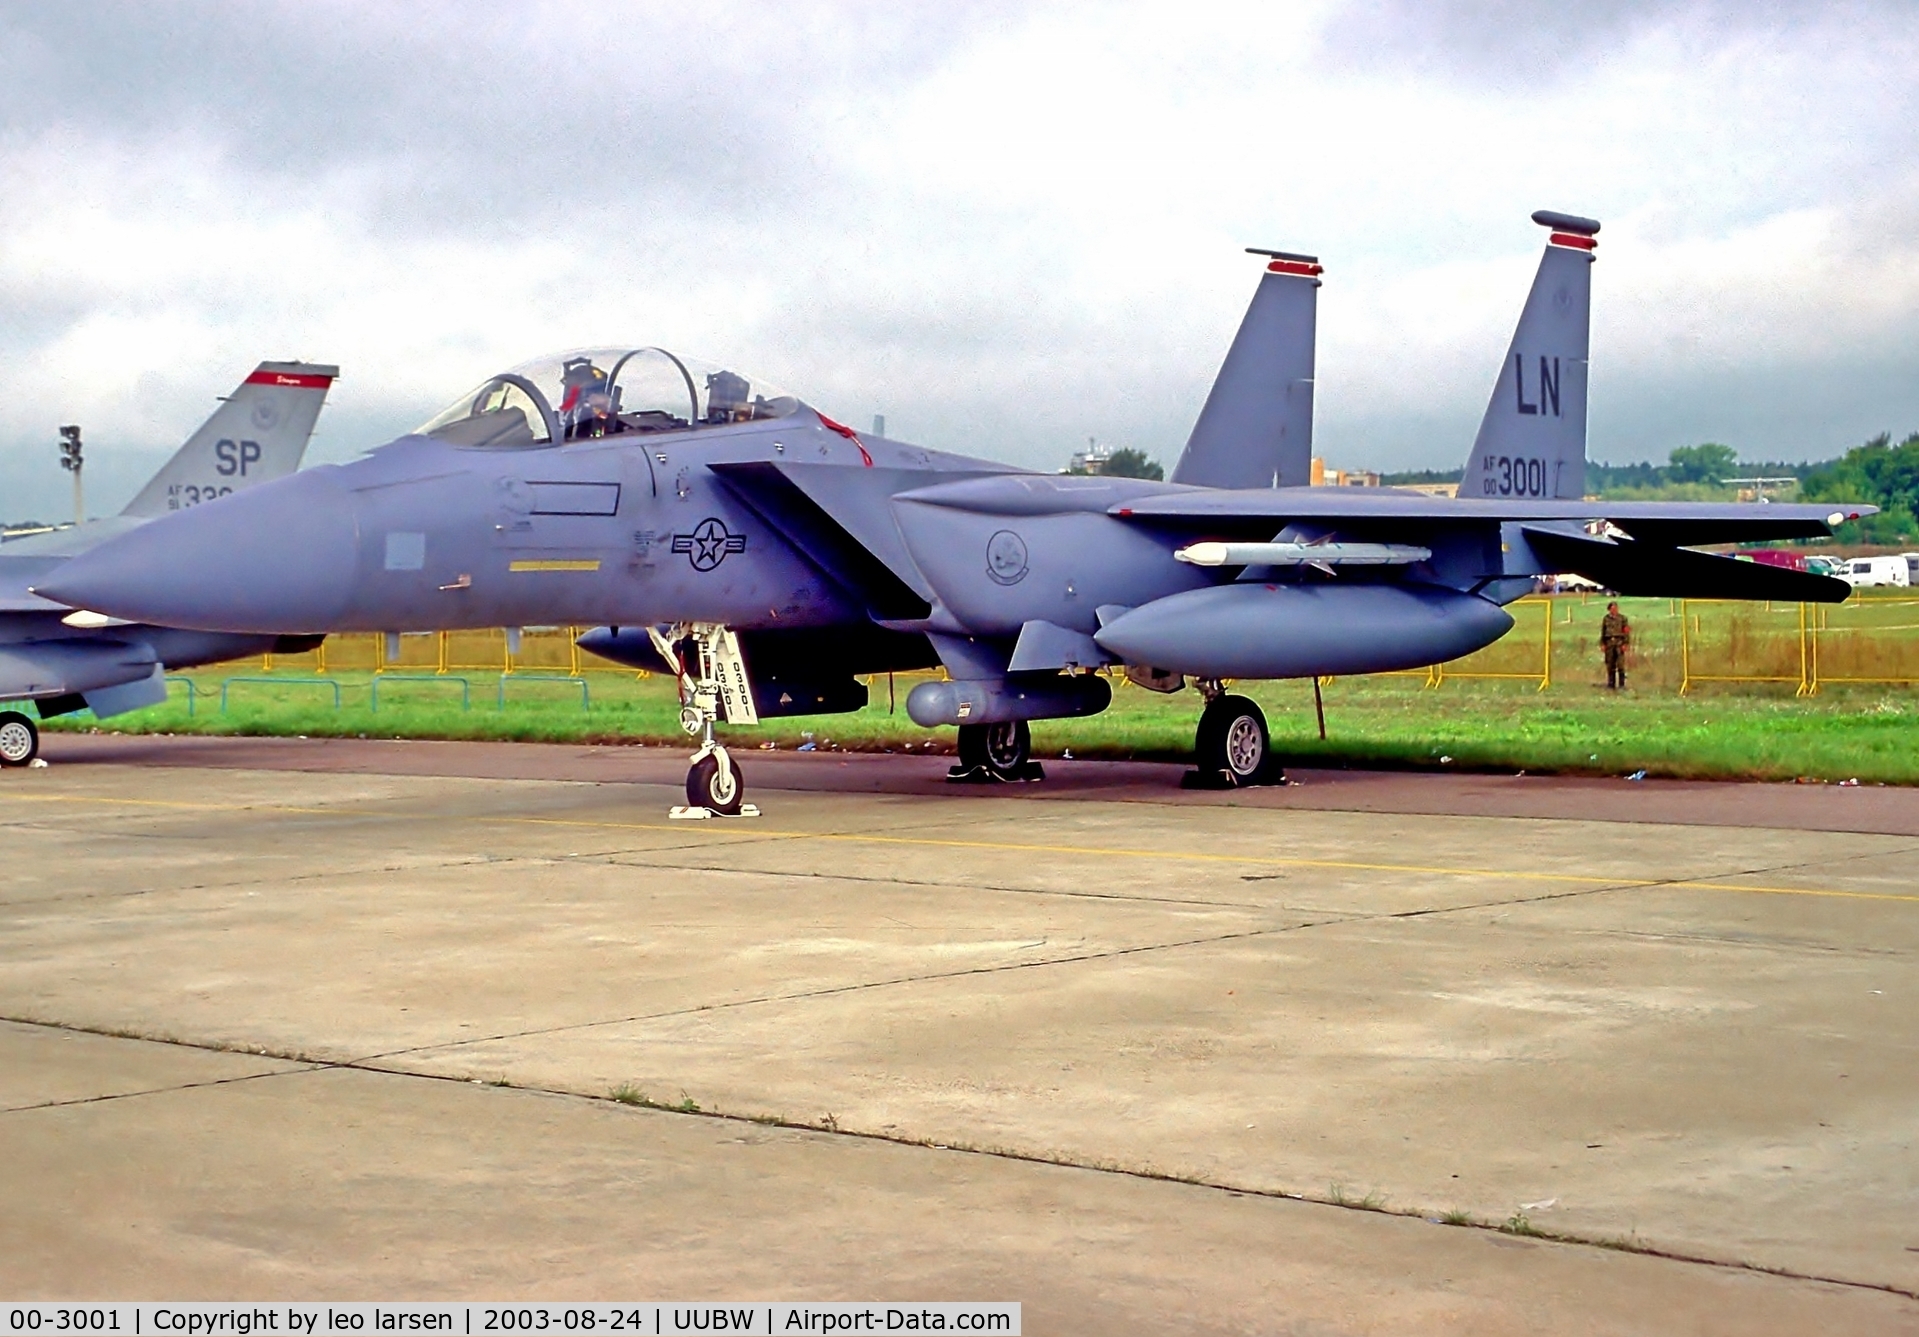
{"x": 64, "y": 660}
{"x": 768, "y": 555}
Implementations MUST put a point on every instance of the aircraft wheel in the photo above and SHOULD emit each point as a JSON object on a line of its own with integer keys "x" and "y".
{"x": 19, "y": 739}
{"x": 1005, "y": 748}
{"x": 1232, "y": 740}
{"x": 715, "y": 782}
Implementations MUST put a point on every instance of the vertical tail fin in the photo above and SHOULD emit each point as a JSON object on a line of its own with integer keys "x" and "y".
{"x": 257, "y": 435}
{"x": 1256, "y": 429}
{"x": 1532, "y": 441}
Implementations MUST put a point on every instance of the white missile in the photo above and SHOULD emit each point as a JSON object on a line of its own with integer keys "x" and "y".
{"x": 88, "y": 620}
{"x": 1302, "y": 554}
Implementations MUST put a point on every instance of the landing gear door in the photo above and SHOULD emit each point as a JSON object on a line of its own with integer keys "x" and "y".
{"x": 728, "y": 668}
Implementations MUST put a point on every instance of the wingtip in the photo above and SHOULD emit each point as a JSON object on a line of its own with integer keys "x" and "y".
{"x": 1558, "y": 222}
{"x": 1289, "y": 262}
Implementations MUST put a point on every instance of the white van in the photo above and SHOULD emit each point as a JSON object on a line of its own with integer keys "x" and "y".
{"x": 1877, "y": 571}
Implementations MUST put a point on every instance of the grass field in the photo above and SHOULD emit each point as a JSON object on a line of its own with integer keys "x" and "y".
{"x": 1867, "y": 731}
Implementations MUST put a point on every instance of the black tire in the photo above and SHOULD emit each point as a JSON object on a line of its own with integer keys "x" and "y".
{"x": 19, "y": 739}
{"x": 710, "y": 785}
{"x": 1005, "y": 749}
{"x": 1233, "y": 742}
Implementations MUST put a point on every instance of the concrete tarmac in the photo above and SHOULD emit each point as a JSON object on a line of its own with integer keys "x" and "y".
{"x": 291, "y": 1019}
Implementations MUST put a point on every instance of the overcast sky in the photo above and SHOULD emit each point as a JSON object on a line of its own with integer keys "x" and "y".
{"x": 1007, "y": 227}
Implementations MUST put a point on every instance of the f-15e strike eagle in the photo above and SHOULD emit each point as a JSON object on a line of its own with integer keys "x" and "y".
{"x": 65, "y": 661}
{"x": 768, "y": 555}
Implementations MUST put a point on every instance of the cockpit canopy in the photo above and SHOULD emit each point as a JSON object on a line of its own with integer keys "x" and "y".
{"x": 599, "y": 392}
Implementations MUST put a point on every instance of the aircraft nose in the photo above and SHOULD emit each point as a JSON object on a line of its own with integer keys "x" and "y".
{"x": 276, "y": 558}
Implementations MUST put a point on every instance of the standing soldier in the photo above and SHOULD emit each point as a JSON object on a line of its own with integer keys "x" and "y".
{"x": 1615, "y": 634}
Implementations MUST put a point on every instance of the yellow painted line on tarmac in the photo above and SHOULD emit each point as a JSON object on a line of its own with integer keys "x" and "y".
{"x": 759, "y": 833}
{"x": 175, "y": 803}
{"x": 1264, "y": 861}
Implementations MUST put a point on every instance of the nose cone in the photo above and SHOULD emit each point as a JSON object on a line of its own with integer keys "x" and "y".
{"x": 277, "y": 558}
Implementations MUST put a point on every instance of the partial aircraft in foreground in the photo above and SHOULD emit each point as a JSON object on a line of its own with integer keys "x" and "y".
{"x": 63, "y": 660}
{"x": 768, "y": 555}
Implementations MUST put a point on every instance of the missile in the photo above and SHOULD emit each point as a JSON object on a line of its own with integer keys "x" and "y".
{"x": 1302, "y": 554}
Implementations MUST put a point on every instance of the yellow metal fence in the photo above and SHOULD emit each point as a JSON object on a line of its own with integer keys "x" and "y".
{"x": 491, "y": 650}
{"x": 1678, "y": 644}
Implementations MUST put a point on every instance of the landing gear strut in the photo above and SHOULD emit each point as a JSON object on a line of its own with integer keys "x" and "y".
{"x": 1232, "y": 747}
{"x": 713, "y": 688}
{"x": 1002, "y": 751}
{"x": 19, "y": 739}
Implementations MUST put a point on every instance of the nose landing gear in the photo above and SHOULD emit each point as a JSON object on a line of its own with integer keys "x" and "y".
{"x": 715, "y": 688}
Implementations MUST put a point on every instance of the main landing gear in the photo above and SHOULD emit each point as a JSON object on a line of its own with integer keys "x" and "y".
{"x": 19, "y": 739}
{"x": 1232, "y": 747}
{"x": 713, "y": 688}
{"x": 996, "y": 752}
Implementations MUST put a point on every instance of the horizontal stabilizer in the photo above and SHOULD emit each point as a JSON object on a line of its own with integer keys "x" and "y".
{"x": 122, "y": 697}
{"x": 1678, "y": 573}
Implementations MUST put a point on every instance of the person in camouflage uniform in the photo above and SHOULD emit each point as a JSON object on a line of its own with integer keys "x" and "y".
{"x": 1615, "y": 635}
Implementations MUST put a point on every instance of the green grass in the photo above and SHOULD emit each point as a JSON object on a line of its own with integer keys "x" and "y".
{"x": 1717, "y": 730}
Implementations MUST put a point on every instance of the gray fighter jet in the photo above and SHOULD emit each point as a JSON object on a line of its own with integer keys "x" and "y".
{"x": 768, "y": 555}
{"x": 63, "y": 660}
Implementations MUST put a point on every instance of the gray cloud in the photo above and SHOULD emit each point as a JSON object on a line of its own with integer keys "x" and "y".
{"x": 1521, "y": 42}
{"x": 475, "y": 118}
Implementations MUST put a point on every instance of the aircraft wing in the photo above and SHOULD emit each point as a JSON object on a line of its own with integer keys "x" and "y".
{"x": 1664, "y": 524}
{"x": 839, "y": 518}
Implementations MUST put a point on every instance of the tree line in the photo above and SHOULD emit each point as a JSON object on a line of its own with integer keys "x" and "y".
{"x": 1879, "y": 473}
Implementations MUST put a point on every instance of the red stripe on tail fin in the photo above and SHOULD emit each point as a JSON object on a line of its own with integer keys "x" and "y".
{"x": 289, "y": 379}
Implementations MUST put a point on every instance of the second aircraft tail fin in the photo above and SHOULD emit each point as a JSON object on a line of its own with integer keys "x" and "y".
{"x": 1532, "y": 441}
{"x": 1256, "y": 429}
{"x": 258, "y": 434}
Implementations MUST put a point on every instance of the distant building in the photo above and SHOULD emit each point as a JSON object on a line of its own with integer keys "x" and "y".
{"x": 1091, "y": 460}
{"x": 1433, "y": 489}
{"x": 1324, "y": 477}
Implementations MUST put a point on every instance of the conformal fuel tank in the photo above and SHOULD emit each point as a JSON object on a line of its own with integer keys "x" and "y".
{"x": 1298, "y": 631}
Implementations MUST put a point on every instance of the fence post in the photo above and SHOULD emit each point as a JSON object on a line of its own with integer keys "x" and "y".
{"x": 573, "y": 645}
{"x": 1805, "y": 683}
{"x": 1546, "y": 677}
{"x": 1815, "y": 625}
{"x": 1685, "y": 650}
{"x": 444, "y": 637}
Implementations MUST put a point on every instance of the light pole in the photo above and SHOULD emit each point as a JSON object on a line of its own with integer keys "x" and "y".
{"x": 70, "y": 460}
